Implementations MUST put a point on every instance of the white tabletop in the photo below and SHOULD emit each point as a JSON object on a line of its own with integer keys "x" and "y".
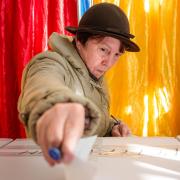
{"x": 111, "y": 158}
{"x": 4, "y": 141}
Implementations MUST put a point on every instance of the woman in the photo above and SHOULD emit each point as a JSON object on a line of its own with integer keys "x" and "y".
{"x": 63, "y": 92}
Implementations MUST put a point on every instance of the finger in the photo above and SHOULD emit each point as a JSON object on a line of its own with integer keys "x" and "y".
{"x": 72, "y": 133}
{"x": 50, "y": 132}
{"x": 129, "y": 133}
{"x": 55, "y": 132}
{"x": 71, "y": 137}
{"x": 55, "y": 135}
{"x": 124, "y": 130}
{"x": 46, "y": 155}
{"x": 41, "y": 123}
{"x": 56, "y": 129}
{"x": 41, "y": 129}
{"x": 115, "y": 131}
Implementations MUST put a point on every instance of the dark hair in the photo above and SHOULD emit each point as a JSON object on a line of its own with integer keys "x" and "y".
{"x": 84, "y": 36}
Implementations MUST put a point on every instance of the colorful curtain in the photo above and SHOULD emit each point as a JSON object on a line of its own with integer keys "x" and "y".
{"x": 83, "y": 6}
{"x": 144, "y": 86}
{"x": 25, "y": 27}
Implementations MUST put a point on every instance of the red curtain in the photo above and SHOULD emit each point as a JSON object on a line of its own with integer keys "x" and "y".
{"x": 25, "y": 28}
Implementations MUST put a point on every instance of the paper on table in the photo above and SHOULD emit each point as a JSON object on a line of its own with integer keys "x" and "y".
{"x": 80, "y": 168}
{"x": 84, "y": 147}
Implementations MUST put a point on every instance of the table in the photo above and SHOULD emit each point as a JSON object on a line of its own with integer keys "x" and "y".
{"x": 129, "y": 158}
{"x": 4, "y": 141}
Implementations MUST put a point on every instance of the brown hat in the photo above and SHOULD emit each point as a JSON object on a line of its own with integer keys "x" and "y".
{"x": 109, "y": 20}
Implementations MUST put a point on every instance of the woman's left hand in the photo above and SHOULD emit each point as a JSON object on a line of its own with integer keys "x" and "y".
{"x": 120, "y": 130}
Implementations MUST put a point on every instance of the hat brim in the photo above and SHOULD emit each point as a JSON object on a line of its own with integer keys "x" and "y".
{"x": 129, "y": 45}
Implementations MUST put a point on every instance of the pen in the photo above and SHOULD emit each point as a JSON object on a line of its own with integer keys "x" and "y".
{"x": 55, "y": 153}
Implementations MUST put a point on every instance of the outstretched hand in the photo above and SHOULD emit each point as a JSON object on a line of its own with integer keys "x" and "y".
{"x": 61, "y": 126}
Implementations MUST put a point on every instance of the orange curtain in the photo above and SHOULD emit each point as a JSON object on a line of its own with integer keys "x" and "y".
{"x": 145, "y": 86}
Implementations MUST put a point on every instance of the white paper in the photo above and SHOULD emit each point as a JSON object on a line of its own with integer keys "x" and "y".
{"x": 84, "y": 147}
{"x": 80, "y": 168}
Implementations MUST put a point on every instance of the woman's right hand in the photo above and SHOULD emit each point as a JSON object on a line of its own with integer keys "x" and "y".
{"x": 61, "y": 126}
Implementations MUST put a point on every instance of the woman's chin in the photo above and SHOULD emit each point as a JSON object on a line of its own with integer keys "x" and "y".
{"x": 99, "y": 75}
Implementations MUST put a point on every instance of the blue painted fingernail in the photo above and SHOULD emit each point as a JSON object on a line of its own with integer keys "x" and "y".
{"x": 55, "y": 153}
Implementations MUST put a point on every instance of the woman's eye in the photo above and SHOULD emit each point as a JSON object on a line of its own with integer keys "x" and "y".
{"x": 104, "y": 50}
{"x": 117, "y": 54}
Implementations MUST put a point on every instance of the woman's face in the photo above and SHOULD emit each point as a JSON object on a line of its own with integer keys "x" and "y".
{"x": 100, "y": 54}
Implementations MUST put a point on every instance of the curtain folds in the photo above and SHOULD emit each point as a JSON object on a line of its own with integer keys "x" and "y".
{"x": 83, "y": 6}
{"x": 25, "y": 27}
{"x": 145, "y": 86}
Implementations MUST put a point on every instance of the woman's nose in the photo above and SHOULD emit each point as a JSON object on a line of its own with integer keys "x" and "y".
{"x": 107, "y": 62}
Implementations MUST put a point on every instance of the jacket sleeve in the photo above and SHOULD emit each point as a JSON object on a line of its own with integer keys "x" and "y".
{"x": 111, "y": 124}
{"x": 44, "y": 85}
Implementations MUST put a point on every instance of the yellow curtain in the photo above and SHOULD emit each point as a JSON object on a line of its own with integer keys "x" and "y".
{"x": 145, "y": 86}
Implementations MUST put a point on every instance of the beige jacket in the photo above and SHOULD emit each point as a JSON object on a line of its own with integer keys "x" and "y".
{"x": 59, "y": 76}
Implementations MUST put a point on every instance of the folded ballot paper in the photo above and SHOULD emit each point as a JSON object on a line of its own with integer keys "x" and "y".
{"x": 80, "y": 168}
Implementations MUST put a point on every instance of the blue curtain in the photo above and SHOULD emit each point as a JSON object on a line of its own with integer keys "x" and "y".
{"x": 83, "y": 5}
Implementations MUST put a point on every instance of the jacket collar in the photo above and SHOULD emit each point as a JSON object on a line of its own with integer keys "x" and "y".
{"x": 63, "y": 45}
